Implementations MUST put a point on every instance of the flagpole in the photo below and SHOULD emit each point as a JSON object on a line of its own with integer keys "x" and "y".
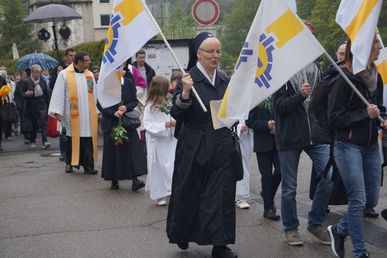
{"x": 348, "y": 81}
{"x": 173, "y": 53}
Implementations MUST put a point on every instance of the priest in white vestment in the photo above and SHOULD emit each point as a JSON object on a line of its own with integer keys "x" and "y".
{"x": 73, "y": 103}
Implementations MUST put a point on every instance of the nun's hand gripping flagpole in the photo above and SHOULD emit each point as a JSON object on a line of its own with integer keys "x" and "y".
{"x": 173, "y": 54}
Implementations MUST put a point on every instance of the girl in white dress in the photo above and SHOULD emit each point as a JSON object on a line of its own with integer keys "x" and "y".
{"x": 160, "y": 143}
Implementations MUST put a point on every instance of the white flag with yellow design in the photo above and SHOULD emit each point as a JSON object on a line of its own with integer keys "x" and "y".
{"x": 131, "y": 26}
{"x": 277, "y": 46}
{"x": 359, "y": 19}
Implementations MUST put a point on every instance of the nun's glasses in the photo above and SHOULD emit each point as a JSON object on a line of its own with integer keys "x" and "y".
{"x": 212, "y": 51}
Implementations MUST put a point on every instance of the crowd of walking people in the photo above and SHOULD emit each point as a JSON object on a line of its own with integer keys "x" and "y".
{"x": 159, "y": 129}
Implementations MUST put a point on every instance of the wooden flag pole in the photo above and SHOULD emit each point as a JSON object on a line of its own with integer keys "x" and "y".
{"x": 349, "y": 82}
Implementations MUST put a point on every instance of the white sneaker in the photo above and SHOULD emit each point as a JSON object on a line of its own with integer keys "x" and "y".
{"x": 242, "y": 204}
{"x": 161, "y": 202}
{"x": 32, "y": 145}
{"x": 46, "y": 145}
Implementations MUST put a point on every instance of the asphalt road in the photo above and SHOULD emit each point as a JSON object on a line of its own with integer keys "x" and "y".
{"x": 45, "y": 212}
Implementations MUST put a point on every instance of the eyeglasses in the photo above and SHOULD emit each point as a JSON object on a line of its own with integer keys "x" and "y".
{"x": 212, "y": 51}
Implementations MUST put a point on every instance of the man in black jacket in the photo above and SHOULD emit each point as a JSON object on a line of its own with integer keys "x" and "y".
{"x": 261, "y": 121}
{"x": 145, "y": 69}
{"x": 293, "y": 135}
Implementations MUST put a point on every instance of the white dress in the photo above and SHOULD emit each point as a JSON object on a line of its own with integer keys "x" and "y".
{"x": 161, "y": 146}
{"x": 246, "y": 141}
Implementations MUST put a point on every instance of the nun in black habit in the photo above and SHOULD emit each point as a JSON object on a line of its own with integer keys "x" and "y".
{"x": 126, "y": 161}
{"x": 202, "y": 208}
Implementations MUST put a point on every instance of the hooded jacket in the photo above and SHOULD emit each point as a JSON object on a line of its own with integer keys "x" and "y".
{"x": 347, "y": 114}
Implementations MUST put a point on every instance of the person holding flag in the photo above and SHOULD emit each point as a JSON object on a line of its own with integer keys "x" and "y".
{"x": 355, "y": 120}
{"x": 293, "y": 135}
{"x": 202, "y": 208}
{"x": 356, "y": 149}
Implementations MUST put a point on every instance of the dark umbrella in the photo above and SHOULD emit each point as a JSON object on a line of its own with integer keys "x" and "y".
{"x": 52, "y": 13}
{"x": 45, "y": 61}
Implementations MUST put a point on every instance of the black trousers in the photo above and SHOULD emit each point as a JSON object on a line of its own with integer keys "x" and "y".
{"x": 86, "y": 158}
{"x": 269, "y": 180}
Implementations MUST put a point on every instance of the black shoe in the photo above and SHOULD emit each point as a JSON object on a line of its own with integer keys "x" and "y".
{"x": 365, "y": 256}
{"x": 115, "y": 185}
{"x": 271, "y": 214}
{"x": 337, "y": 241}
{"x": 371, "y": 213}
{"x": 69, "y": 168}
{"x": 222, "y": 252}
{"x": 90, "y": 171}
{"x": 137, "y": 184}
{"x": 62, "y": 157}
{"x": 183, "y": 246}
{"x": 384, "y": 214}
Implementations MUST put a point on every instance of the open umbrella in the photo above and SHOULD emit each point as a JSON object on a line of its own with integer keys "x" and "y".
{"x": 45, "y": 61}
{"x": 52, "y": 13}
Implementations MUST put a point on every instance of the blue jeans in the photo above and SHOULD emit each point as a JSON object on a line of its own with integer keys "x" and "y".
{"x": 360, "y": 170}
{"x": 289, "y": 160}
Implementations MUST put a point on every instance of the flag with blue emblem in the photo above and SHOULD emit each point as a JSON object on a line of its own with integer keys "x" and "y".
{"x": 131, "y": 26}
{"x": 277, "y": 46}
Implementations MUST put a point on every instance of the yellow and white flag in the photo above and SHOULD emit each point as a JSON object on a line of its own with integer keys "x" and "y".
{"x": 292, "y": 4}
{"x": 277, "y": 46}
{"x": 359, "y": 19}
{"x": 131, "y": 26}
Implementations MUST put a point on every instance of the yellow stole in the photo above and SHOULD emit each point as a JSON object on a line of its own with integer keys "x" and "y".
{"x": 75, "y": 123}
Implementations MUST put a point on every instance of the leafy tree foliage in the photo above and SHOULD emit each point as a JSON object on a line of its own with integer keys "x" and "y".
{"x": 236, "y": 26}
{"x": 327, "y": 31}
{"x": 13, "y": 29}
{"x": 180, "y": 24}
{"x": 305, "y": 8}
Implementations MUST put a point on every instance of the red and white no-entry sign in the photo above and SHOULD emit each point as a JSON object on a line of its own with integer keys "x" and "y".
{"x": 205, "y": 12}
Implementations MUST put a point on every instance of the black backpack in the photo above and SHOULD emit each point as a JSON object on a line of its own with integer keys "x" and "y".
{"x": 318, "y": 115}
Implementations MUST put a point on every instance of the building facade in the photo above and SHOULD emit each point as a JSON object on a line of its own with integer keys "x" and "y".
{"x": 94, "y": 23}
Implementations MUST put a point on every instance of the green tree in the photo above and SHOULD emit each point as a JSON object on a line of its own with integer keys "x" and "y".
{"x": 304, "y": 8}
{"x": 180, "y": 24}
{"x": 383, "y": 23}
{"x": 327, "y": 31}
{"x": 236, "y": 25}
{"x": 13, "y": 29}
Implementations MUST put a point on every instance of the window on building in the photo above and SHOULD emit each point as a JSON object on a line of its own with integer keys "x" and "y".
{"x": 104, "y": 1}
{"x": 105, "y": 19}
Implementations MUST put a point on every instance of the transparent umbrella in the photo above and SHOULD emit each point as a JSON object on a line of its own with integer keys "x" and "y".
{"x": 45, "y": 61}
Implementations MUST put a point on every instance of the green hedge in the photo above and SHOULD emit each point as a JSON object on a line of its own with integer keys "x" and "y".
{"x": 94, "y": 49}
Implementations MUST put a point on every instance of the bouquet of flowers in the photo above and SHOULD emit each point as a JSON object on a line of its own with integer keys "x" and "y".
{"x": 166, "y": 106}
{"x": 119, "y": 134}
